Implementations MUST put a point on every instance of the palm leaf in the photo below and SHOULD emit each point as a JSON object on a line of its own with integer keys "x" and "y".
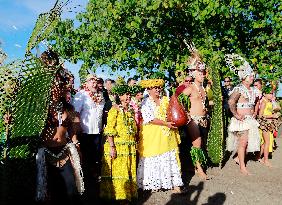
{"x": 32, "y": 100}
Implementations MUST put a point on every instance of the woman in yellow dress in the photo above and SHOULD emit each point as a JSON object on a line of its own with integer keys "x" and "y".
{"x": 118, "y": 174}
{"x": 267, "y": 121}
{"x": 158, "y": 166}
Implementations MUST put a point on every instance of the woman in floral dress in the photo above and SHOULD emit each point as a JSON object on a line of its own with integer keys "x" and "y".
{"x": 118, "y": 177}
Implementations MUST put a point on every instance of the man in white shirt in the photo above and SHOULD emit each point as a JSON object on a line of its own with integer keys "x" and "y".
{"x": 89, "y": 103}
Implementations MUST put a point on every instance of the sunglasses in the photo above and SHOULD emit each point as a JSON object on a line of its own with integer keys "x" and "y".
{"x": 227, "y": 81}
{"x": 156, "y": 87}
{"x": 188, "y": 81}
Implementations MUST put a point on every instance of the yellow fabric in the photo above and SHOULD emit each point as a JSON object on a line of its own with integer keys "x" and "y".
{"x": 271, "y": 140}
{"x": 118, "y": 176}
{"x": 268, "y": 110}
{"x": 155, "y": 139}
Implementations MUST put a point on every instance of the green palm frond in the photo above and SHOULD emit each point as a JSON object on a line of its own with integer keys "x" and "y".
{"x": 215, "y": 135}
{"x": 32, "y": 100}
{"x": 45, "y": 24}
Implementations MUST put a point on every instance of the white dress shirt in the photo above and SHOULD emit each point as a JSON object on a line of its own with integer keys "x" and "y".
{"x": 90, "y": 112}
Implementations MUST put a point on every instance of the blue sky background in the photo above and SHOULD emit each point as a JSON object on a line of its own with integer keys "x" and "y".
{"x": 17, "y": 20}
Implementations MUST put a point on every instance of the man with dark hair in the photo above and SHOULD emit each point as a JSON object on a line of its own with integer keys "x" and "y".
{"x": 226, "y": 90}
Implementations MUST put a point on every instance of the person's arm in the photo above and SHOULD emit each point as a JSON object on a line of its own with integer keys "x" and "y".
{"x": 156, "y": 121}
{"x": 232, "y": 101}
{"x": 110, "y": 130}
{"x": 187, "y": 91}
{"x": 148, "y": 115}
{"x": 262, "y": 107}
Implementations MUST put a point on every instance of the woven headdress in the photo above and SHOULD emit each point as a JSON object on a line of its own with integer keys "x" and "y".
{"x": 242, "y": 70}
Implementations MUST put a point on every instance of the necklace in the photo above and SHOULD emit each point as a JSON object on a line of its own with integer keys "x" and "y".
{"x": 128, "y": 120}
{"x": 203, "y": 99}
{"x": 251, "y": 96}
{"x": 92, "y": 95}
{"x": 58, "y": 108}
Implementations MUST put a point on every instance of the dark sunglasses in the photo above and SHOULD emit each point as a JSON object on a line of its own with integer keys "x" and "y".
{"x": 227, "y": 81}
{"x": 188, "y": 81}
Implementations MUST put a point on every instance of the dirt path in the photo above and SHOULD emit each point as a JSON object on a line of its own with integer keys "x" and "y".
{"x": 228, "y": 186}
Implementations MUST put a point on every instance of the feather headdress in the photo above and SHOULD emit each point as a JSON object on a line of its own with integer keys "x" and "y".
{"x": 195, "y": 62}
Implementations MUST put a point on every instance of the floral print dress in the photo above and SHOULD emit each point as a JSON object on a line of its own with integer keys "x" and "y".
{"x": 118, "y": 176}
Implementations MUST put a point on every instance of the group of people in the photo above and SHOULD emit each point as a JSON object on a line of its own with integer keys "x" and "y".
{"x": 120, "y": 134}
{"x": 117, "y": 134}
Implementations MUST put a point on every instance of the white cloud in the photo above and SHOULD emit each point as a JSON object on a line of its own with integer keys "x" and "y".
{"x": 17, "y": 45}
{"x": 14, "y": 27}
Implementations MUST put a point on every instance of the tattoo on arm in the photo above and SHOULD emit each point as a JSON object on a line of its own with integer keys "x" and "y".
{"x": 233, "y": 99}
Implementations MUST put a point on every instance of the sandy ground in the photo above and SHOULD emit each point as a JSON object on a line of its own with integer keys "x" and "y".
{"x": 228, "y": 186}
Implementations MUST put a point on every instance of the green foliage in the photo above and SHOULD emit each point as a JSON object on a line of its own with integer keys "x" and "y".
{"x": 215, "y": 135}
{"x": 8, "y": 89}
{"x": 148, "y": 35}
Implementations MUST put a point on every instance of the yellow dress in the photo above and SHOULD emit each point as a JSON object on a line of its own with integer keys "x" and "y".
{"x": 159, "y": 166}
{"x": 165, "y": 138}
{"x": 118, "y": 176}
{"x": 268, "y": 110}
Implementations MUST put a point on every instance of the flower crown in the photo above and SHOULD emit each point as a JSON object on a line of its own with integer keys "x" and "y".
{"x": 267, "y": 89}
{"x": 242, "y": 70}
{"x": 149, "y": 83}
{"x": 136, "y": 89}
{"x": 121, "y": 89}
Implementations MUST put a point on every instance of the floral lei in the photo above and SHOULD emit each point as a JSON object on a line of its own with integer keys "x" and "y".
{"x": 92, "y": 95}
{"x": 128, "y": 119}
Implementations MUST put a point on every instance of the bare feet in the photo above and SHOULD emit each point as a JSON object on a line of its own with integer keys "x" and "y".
{"x": 177, "y": 190}
{"x": 268, "y": 164}
{"x": 245, "y": 172}
{"x": 202, "y": 175}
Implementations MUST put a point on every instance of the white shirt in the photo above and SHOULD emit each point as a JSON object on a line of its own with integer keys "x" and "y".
{"x": 90, "y": 112}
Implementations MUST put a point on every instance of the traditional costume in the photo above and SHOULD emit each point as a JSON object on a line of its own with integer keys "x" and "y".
{"x": 268, "y": 124}
{"x": 249, "y": 124}
{"x": 59, "y": 172}
{"x": 159, "y": 165}
{"x": 195, "y": 65}
{"x": 118, "y": 176}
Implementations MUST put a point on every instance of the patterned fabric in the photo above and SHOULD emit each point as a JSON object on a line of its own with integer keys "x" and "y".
{"x": 159, "y": 172}
{"x": 200, "y": 120}
{"x": 118, "y": 176}
{"x": 268, "y": 124}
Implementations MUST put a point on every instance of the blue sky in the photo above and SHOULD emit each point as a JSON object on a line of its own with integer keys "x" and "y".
{"x": 17, "y": 20}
